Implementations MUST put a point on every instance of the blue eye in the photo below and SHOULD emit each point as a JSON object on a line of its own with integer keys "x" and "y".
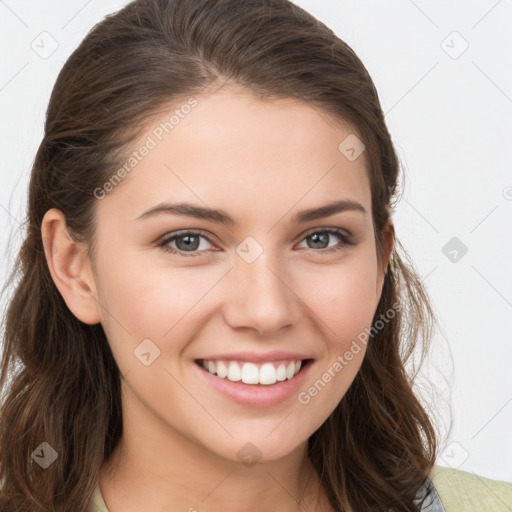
{"x": 190, "y": 241}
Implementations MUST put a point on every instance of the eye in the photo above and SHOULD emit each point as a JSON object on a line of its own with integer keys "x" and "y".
{"x": 318, "y": 239}
{"x": 190, "y": 241}
{"x": 186, "y": 241}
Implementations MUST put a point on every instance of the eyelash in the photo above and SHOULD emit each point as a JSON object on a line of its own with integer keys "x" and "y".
{"x": 347, "y": 240}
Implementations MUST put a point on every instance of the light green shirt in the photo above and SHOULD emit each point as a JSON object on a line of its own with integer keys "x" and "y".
{"x": 459, "y": 491}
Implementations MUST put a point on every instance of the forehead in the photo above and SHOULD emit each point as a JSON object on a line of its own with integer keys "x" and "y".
{"x": 232, "y": 148}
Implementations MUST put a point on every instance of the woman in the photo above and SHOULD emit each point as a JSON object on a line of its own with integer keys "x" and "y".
{"x": 212, "y": 310}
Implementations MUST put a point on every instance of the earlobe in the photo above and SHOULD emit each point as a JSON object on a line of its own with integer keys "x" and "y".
{"x": 70, "y": 268}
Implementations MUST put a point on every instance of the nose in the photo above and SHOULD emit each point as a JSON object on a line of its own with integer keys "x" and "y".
{"x": 261, "y": 297}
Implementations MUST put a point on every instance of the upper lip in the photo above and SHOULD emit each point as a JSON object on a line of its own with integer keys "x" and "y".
{"x": 256, "y": 357}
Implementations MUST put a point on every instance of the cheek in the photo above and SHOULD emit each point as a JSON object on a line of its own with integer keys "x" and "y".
{"x": 141, "y": 301}
{"x": 344, "y": 300}
{"x": 344, "y": 309}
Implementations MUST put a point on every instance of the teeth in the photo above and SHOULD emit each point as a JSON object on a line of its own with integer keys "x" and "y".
{"x": 222, "y": 369}
{"x": 281, "y": 372}
{"x": 251, "y": 373}
{"x": 234, "y": 372}
{"x": 290, "y": 370}
{"x": 268, "y": 374}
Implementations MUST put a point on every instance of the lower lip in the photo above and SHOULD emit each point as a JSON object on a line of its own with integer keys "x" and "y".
{"x": 257, "y": 395}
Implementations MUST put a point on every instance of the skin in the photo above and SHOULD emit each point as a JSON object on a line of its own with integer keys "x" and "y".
{"x": 261, "y": 162}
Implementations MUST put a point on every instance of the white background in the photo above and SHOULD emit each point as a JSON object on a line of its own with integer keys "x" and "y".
{"x": 449, "y": 112}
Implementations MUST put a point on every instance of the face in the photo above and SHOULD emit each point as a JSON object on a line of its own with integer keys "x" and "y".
{"x": 266, "y": 287}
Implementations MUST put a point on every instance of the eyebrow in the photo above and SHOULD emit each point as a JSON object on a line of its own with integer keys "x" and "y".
{"x": 222, "y": 217}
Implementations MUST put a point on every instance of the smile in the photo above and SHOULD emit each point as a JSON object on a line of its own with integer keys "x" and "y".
{"x": 266, "y": 373}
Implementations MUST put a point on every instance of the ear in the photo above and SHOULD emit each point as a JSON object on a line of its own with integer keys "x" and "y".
{"x": 389, "y": 242}
{"x": 70, "y": 268}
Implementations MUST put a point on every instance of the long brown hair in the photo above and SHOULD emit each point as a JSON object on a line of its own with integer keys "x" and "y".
{"x": 60, "y": 382}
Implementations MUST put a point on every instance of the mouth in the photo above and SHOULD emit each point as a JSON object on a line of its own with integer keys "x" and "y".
{"x": 263, "y": 374}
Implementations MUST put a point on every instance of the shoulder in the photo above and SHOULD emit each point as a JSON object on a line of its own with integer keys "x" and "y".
{"x": 461, "y": 491}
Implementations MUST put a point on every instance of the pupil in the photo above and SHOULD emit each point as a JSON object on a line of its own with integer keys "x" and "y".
{"x": 188, "y": 244}
{"x": 315, "y": 237}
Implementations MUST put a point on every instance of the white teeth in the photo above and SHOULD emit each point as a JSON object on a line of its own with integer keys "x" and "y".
{"x": 281, "y": 372}
{"x": 250, "y": 373}
{"x": 222, "y": 369}
{"x": 234, "y": 372}
{"x": 290, "y": 370}
{"x": 267, "y": 374}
